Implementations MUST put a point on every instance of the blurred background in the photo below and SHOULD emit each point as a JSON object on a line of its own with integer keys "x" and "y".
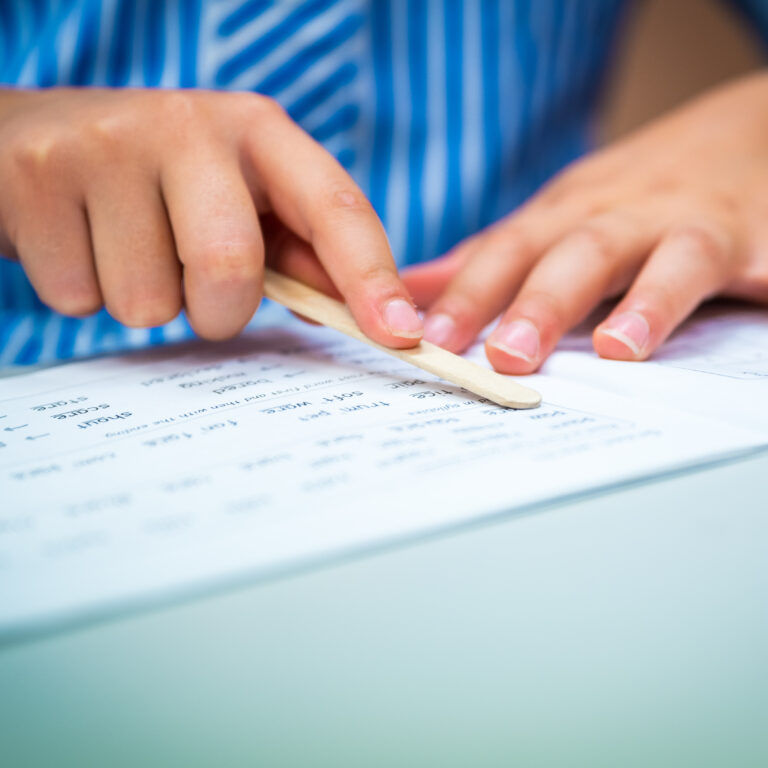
{"x": 675, "y": 49}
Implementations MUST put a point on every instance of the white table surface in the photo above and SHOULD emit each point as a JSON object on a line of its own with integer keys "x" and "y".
{"x": 628, "y": 628}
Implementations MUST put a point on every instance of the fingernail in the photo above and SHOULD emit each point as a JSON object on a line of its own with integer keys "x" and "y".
{"x": 402, "y": 320}
{"x": 519, "y": 338}
{"x": 630, "y": 328}
{"x": 439, "y": 328}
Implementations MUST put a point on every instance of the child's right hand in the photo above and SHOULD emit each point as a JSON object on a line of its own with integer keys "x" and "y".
{"x": 145, "y": 201}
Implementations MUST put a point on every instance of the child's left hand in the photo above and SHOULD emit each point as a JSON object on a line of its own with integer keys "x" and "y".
{"x": 673, "y": 215}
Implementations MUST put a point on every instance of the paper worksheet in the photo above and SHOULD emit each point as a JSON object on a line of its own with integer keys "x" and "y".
{"x": 716, "y": 365}
{"x": 136, "y": 479}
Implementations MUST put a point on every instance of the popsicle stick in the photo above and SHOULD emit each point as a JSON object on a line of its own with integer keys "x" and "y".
{"x": 327, "y": 311}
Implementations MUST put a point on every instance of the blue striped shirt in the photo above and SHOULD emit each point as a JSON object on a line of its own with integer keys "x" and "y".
{"x": 448, "y": 113}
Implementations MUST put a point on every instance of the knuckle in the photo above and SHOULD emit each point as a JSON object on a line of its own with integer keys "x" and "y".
{"x": 592, "y": 239}
{"x": 592, "y": 248}
{"x": 657, "y": 301}
{"x": 108, "y": 128}
{"x": 345, "y": 211}
{"x": 664, "y": 185}
{"x": 260, "y": 106}
{"x": 348, "y": 199}
{"x": 144, "y": 311}
{"x": 181, "y": 108}
{"x": 697, "y": 239}
{"x": 709, "y": 247}
{"x": 72, "y": 302}
{"x": 249, "y": 108}
{"x": 544, "y": 306}
{"x": 460, "y": 304}
{"x": 226, "y": 263}
{"x": 510, "y": 240}
{"x": 161, "y": 311}
{"x": 110, "y": 136}
{"x": 37, "y": 153}
{"x": 184, "y": 115}
{"x": 376, "y": 274}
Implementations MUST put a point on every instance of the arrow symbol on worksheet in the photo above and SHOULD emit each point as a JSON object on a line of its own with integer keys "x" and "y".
{"x": 12, "y": 429}
{"x": 36, "y": 437}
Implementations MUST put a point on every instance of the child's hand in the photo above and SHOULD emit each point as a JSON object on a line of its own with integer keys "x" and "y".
{"x": 673, "y": 215}
{"x": 147, "y": 200}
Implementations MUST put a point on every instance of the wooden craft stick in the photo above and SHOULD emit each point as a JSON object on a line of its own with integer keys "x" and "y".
{"x": 327, "y": 311}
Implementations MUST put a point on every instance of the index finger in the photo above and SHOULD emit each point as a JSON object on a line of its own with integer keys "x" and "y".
{"x": 315, "y": 197}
